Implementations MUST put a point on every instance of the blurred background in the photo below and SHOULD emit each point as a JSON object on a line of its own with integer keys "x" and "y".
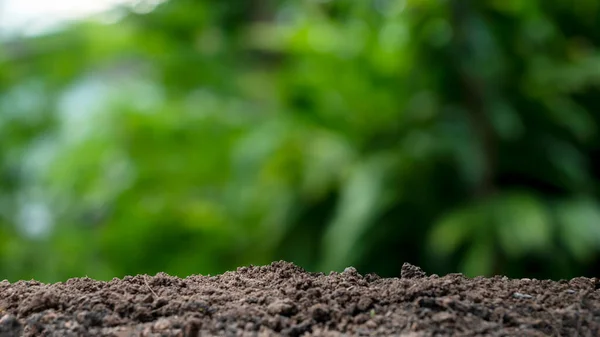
{"x": 191, "y": 136}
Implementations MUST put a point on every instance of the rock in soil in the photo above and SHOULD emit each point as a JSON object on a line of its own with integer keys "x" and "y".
{"x": 283, "y": 299}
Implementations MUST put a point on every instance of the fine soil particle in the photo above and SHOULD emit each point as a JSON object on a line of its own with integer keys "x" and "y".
{"x": 283, "y": 299}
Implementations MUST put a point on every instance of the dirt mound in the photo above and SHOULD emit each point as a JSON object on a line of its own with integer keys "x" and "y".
{"x": 283, "y": 299}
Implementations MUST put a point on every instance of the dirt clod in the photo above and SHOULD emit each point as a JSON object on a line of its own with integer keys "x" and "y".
{"x": 410, "y": 271}
{"x": 283, "y": 299}
{"x": 320, "y": 313}
{"x": 9, "y": 324}
{"x": 283, "y": 307}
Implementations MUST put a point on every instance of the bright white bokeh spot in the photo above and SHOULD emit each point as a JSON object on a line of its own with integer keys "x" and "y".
{"x": 32, "y": 17}
{"x": 35, "y": 219}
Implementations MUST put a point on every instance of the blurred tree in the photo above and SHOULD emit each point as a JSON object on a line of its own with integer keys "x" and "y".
{"x": 200, "y": 136}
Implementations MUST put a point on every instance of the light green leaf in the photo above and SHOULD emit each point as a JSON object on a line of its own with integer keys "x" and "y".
{"x": 325, "y": 154}
{"x": 479, "y": 259}
{"x": 522, "y": 223}
{"x": 454, "y": 230}
{"x": 361, "y": 201}
{"x": 579, "y": 227}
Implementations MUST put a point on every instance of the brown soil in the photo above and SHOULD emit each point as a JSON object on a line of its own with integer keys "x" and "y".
{"x": 282, "y": 299}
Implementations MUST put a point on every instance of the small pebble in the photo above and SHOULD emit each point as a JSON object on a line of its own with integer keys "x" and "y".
{"x": 519, "y": 295}
{"x": 282, "y": 307}
{"x": 162, "y": 324}
{"x": 371, "y": 324}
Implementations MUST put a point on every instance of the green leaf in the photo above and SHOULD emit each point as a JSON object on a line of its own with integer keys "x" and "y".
{"x": 573, "y": 117}
{"x": 454, "y": 230}
{"x": 522, "y": 223}
{"x": 479, "y": 259}
{"x": 579, "y": 226}
{"x": 325, "y": 154}
{"x": 361, "y": 201}
{"x": 506, "y": 121}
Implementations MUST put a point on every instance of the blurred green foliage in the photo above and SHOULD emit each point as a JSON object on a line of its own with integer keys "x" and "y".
{"x": 205, "y": 135}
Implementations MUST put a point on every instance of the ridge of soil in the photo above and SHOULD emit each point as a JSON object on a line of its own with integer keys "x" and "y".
{"x": 283, "y": 299}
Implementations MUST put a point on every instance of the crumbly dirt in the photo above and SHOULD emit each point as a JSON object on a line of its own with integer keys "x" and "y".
{"x": 283, "y": 299}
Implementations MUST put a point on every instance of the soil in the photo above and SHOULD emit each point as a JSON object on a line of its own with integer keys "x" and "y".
{"x": 283, "y": 299}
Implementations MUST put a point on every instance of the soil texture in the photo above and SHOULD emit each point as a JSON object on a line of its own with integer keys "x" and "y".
{"x": 282, "y": 299}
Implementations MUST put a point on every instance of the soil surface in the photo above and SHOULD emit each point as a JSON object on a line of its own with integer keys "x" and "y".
{"x": 283, "y": 299}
